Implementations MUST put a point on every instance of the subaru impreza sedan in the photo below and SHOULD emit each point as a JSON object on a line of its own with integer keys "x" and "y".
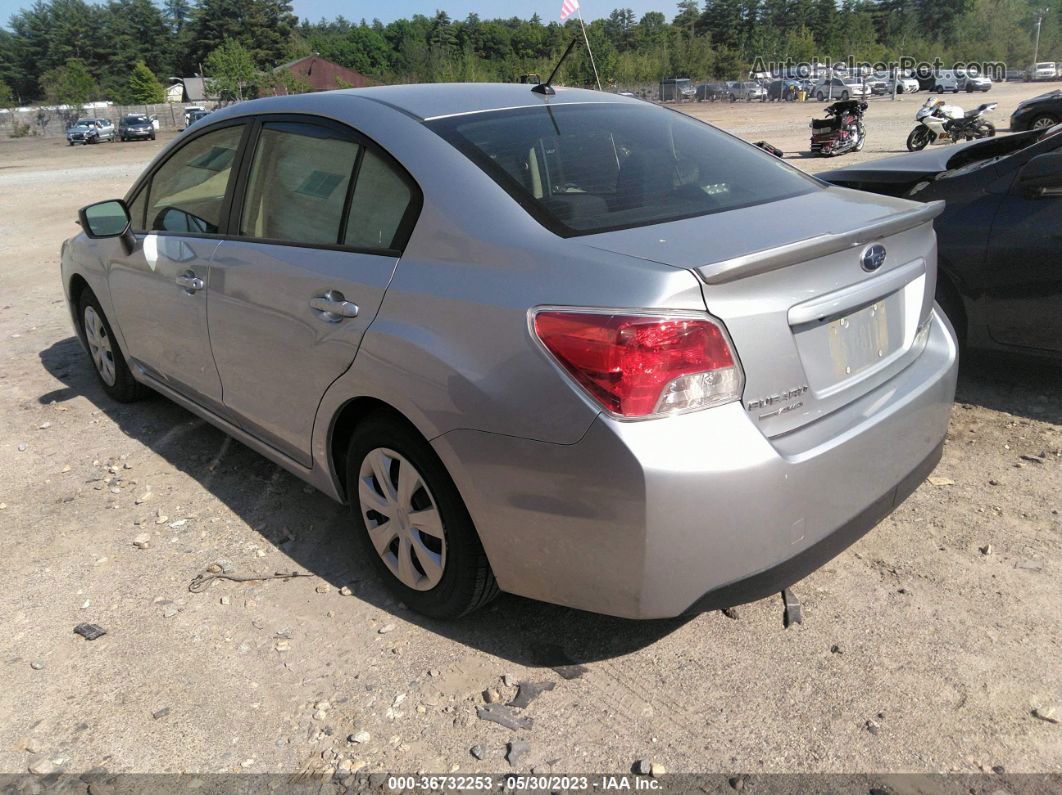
{"x": 540, "y": 343}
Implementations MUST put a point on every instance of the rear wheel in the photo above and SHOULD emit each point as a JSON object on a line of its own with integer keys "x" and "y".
{"x": 938, "y": 89}
{"x": 411, "y": 522}
{"x": 107, "y": 359}
{"x": 844, "y": 96}
{"x": 918, "y": 139}
{"x": 819, "y": 96}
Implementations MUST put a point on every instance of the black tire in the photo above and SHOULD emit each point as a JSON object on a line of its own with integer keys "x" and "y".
{"x": 938, "y": 89}
{"x": 844, "y": 96}
{"x": 819, "y": 96}
{"x": 125, "y": 388}
{"x": 1042, "y": 121}
{"x": 951, "y": 303}
{"x": 152, "y": 136}
{"x": 918, "y": 139}
{"x": 989, "y": 129}
{"x": 467, "y": 581}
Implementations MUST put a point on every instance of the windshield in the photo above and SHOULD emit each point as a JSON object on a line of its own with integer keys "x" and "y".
{"x": 581, "y": 169}
{"x": 136, "y": 120}
{"x": 84, "y": 122}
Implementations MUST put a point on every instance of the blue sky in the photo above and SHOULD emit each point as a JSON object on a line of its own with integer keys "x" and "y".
{"x": 457, "y": 9}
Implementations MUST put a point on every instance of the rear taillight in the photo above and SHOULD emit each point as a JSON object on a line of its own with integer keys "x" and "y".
{"x": 643, "y": 365}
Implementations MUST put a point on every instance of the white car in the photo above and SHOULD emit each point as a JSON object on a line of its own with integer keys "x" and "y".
{"x": 834, "y": 88}
{"x": 882, "y": 84}
{"x": 1044, "y": 70}
{"x": 971, "y": 83}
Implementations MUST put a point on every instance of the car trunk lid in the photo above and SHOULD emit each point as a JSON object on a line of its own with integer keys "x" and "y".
{"x": 814, "y": 330}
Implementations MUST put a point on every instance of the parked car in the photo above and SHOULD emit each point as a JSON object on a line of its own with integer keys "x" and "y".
{"x": 999, "y": 281}
{"x": 90, "y": 131}
{"x": 785, "y": 90}
{"x": 1014, "y": 75}
{"x": 1045, "y": 70}
{"x": 191, "y": 117}
{"x": 1038, "y": 112}
{"x": 677, "y": 89}
{"x": 599, "y": 379}
{"x": 882, "y": 84}
{"x": 747, "y": 90}
{"x": 971, "y": 83}
{"x": 836, "y": 88}
{"x": 711, "y": 92}
{"x": 136, "y": 126}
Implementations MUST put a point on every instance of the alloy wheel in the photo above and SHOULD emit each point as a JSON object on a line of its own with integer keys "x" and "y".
{"x": 99, "y": 342}
{"x": 1043, "y": 122}
{"x": 402, "y": 519}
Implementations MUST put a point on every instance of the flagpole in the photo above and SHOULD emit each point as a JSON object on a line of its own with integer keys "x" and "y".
{"x": 597, "y": 79}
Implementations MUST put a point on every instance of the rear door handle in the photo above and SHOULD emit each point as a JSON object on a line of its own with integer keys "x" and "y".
{"x": 190, "y": 282}
{"x": 333, "y": 306}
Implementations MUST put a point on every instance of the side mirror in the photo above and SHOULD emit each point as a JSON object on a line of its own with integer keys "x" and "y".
{"x": 108, "y": 219}
{"x": 1041, "y": 177}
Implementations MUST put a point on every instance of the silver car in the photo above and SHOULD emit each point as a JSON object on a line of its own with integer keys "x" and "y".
{"x": 539, "y": 343}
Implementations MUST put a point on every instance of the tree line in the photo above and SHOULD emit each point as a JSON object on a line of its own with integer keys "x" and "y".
{"x": 127, "y": 50}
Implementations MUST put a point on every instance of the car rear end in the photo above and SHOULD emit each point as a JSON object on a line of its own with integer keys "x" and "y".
{"x": 737, "y": 445}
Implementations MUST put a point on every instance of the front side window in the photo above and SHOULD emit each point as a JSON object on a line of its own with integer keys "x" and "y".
{"x": 187, "y": 193}
{"x": 581, "y": 169}
{"x": 298, "y": 184}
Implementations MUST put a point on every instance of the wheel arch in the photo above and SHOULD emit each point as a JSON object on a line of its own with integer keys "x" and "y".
{"x": 345, "y": 421}
{"x": 948, "y": 288}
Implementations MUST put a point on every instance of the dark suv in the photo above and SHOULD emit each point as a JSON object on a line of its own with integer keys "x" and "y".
{"x": 136, "y": 127}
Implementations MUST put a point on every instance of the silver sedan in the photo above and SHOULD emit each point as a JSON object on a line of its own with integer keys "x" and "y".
{"x": 539, "y": 343}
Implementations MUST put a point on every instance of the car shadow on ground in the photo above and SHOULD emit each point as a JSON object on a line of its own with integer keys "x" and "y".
{"x": 1023, "y": 387}
{"x": 278, "y": 506}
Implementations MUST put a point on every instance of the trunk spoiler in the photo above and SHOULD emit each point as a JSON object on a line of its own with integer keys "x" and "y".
{"x": 770, "y": 259}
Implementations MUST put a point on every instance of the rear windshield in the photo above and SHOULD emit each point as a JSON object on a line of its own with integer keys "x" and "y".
{"x": 582, "y": 169}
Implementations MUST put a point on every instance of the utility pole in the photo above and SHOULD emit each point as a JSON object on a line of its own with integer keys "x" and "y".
{"x": 1036, "y": 48}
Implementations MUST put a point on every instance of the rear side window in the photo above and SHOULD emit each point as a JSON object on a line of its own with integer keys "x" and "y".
{"x": 187, "y": 192}
{"x": 581, "y": 169}
{"x": 381, "y": 201}
{"x": 298, "y": 184}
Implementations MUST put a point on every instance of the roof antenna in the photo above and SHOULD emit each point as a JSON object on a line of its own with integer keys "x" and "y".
{"x": 546, "y": 88}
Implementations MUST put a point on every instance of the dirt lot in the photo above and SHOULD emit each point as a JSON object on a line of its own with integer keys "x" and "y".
{"x": 926, "y": 647}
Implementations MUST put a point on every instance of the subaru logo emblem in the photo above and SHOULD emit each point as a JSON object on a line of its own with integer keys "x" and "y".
{"x": 873, "y": 258}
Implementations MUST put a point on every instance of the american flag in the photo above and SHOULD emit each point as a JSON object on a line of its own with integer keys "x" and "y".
{"x": 569, "y": 7}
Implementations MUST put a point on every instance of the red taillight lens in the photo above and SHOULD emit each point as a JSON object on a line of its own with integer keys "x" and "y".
{"x": 640, "y": 365}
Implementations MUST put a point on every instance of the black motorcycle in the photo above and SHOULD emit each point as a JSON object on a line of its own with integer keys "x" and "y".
{"x": 841, "y": 131}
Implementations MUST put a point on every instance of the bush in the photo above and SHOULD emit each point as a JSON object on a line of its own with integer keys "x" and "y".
{"x": 20, "y": 129}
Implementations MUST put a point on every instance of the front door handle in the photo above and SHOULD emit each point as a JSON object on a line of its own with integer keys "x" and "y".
{"x": 333, "y": 306}
{"x": 190, "y": 282}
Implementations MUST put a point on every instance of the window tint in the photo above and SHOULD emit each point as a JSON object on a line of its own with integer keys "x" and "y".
{"x": 581, "y": 169}
{"x": 298, "y": 183}
{"x": 188, "y": 191}
{"x": 381, "y": 199}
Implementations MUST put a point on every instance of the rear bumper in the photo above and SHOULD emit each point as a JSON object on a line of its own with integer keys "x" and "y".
{"x": 699, "y": 511}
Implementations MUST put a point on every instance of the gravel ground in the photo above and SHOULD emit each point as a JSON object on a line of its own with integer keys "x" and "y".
{"x": 932, "y": 645}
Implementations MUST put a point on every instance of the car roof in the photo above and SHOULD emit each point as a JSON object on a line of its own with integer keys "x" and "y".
{"x": 430, "y": 101}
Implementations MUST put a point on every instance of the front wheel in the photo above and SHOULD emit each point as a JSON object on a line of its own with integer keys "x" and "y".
{"x": 988, "y": 130}
{"x": 862, "y": 140}
{"x": 819, "y": 96}
{"x": 411, "y": 522}
{"x": 918, "y": 139}
{"x": 107, "y": 359}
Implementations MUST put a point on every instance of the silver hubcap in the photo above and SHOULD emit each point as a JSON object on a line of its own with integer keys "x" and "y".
{"x": 1041, "y": 123}
{"x": 402, "y": 518}
{"x": 99, "y": 342}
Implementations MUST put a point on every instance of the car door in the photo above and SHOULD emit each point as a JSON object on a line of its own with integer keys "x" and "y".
{"x": 159, "y": 291}
{"x": 1023, "y": 295}
{"x": 319, "y": 222}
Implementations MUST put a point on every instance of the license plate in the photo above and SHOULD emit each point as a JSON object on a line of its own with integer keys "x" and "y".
{"x": 860, "y": 340}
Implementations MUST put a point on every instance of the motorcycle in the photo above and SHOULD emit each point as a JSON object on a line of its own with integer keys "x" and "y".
{"x": 940, "y": 123}
{"x": 841, "y": 131}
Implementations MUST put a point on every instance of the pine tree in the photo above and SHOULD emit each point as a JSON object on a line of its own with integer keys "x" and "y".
{"x": 144, "y": 87}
